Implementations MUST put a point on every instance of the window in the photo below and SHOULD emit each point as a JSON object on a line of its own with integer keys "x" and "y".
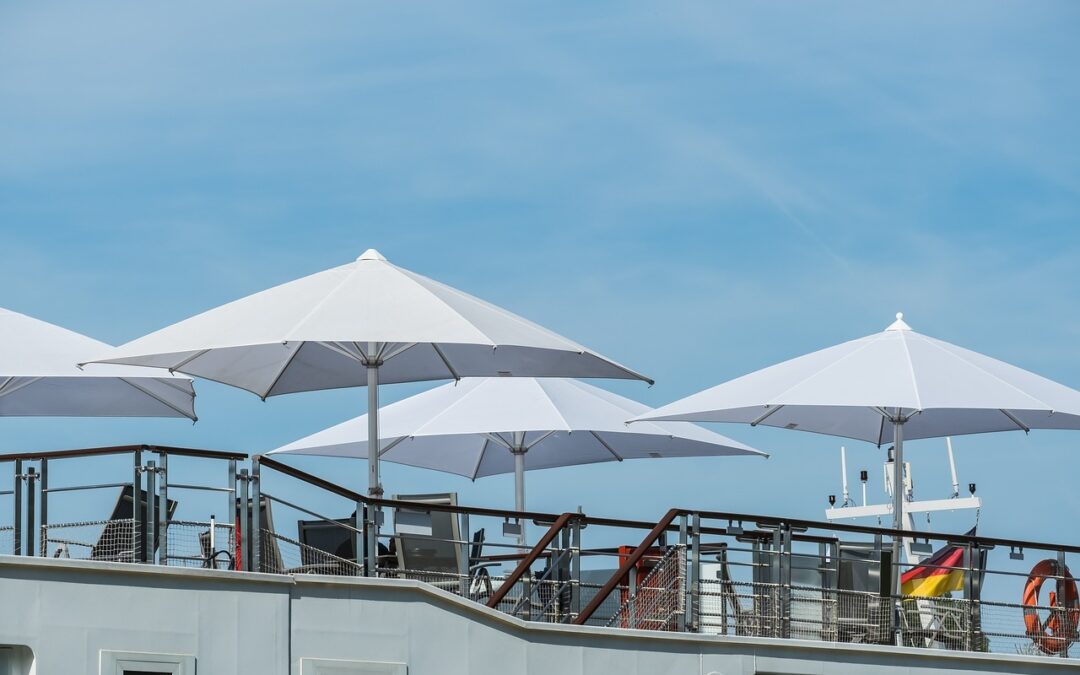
{"x": 15, "y": 660}
{"x": 140, "y": 663}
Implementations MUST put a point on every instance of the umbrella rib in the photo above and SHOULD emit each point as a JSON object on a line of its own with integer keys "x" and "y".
{"x": 606, "y": 446}
{"x": 881, "y": 432}
{"x": 762, "y": 418}
{"x": 184, "y": 362}
{"x": 318, "y": 305}
{"x": 506, "y": 314}
{"x": 338, "y": 349}
{"x": 480, "y": 459}
{"x": 281, "y": 372}
{"x": 911, "y": 370}
{"x": 399, "y": 350}
{"x": 870, "y": 341}
{"x": 933, "y": 343}
{"x": 174, "y": 382}
{"x": 1014, "y": 420}
{"x": 446, "y": 361}
{"x": 193, "y": 418}
{"x": 392, "y": 445}
{"x": 5, "y": 389}
{"x": 540, "y": 440}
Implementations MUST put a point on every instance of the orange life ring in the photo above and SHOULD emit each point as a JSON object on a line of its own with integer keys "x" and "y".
{"x": 1059, "y": 631}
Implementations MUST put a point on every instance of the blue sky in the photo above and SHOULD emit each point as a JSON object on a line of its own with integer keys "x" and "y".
{"x": 697, "y": 190}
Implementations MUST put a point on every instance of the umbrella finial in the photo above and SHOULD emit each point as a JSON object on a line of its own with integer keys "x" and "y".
{"x": 371, "y": 254}
{"x": 899, "y": 324}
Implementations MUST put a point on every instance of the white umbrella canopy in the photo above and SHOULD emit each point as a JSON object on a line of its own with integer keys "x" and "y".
{"x": 485, "y": 426}
{"x": 39, "y": 377}
{"x": 887, "y": 387}
{"x": 858, "y": 388}
{"x": 314, "y": 333}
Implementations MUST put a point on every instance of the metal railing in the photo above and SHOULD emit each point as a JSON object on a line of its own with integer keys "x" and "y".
{"x": 691, "y": 571}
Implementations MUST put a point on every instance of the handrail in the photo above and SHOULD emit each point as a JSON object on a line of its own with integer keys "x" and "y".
{"x": 398, "y": 503}
{"x": 636, "y": 524}
{"x": 526, "y": 563}
{"x": 624, "y": 569}
{"x": 121, "y": 449}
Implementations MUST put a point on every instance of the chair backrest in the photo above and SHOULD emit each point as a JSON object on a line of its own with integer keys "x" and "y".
{"x": 328, "y": 536}
{"x": 269, "y": 553}
{"x": 117, "y": 540}
{"x": 476, "y": 551}
{"x": 427, "y": 540}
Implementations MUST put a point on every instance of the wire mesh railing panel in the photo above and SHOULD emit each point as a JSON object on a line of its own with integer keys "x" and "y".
{"x": 106, "y": 540}
{"x": 659, "y": 598}
{"x": 739, "y": 608}
{"x": 7, "y": 540}
{"x": 190, "y": 544}
{"x": 282, "y": 555}
{"x": 1036, "y": 630}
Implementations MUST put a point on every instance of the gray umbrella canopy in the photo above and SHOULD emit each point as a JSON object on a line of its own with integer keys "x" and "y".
{"x": 884, "y": 388}
{"x": 39, "y": 377}
{"x": 486, "y": 426}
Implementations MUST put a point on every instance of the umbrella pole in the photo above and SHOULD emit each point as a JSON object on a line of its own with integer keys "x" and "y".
{"x": 519, "y": 488}
{"x": 374, "y": 489}
{"x": 898, "y": 512}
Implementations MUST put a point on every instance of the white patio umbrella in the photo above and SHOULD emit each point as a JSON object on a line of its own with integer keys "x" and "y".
{"x": 486, "y": 426}
{"x": 360, "y": 324}
{"x": 39, "y": 377}
{"x": 884, "y": 388}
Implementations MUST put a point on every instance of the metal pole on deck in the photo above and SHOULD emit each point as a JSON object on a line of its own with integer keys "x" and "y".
{"x": 232, "y": 513}
{"x": 151, "y": 511}
{"x": 31, "y": 479}
{"x": 245, "y": 523}
{"x": 256, "y": 517}
{"x": 163, "y": 508}
{"x": 16, "y": 534}
{"x": 137, "y": 541}
{"x": 43, "y": 489}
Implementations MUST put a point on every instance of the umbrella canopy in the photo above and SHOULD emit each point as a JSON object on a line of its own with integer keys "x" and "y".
{"x": 486, "y": 426}
{"x": 884, "y": 388}
{"x": 316, "y": 332}
{"x": 858, "y": 388}
{"x": 39, "y": 377}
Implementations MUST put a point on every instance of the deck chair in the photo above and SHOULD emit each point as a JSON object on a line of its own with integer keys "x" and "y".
{"x": 325, "y": 543}
{"x": 117, "y": 541}
{"x": 429, "y": 547}
{"x": 269, "y": 553}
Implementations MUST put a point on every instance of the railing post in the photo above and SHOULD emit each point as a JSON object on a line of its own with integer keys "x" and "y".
{"x": 575, "y": 567}
{"x": 43, "y": 489}
{"x": 1061, "y": 573}
{"x": 151, "y": 511}
{"x": 232, "y": 512}
{"x": 684, "y": 593}
{"x": 255, "y": 538}
{"x": 358, "y": 535}
{"x": 785, "y": 580}
{"x": 137, "y": 539}
{"x": 463, "y": 560}
{"x": 163, "y": 508}
{"x": 31, "y": 480}
{"x": 16, "y": 488}
{"x": 693, "y": 585}
{"x": 245, "y": 521}
{"x": 969, "y": 560}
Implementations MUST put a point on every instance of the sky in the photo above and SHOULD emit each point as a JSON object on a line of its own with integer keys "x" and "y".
{"x": 696, "y": 190}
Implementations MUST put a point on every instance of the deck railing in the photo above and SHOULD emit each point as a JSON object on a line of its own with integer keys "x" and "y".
{"x": 691, "y": 571}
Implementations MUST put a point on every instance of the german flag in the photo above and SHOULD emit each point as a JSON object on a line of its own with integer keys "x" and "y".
{"x": 937, "y": 575}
